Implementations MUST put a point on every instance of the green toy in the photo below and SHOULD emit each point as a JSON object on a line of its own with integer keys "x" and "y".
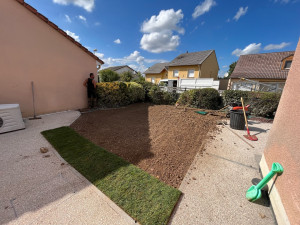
{"x": 201, "y": 112}
{"x": 254, "y": 192}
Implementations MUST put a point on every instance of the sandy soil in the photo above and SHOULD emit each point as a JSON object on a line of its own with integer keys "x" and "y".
{"x": 160, "y": 139}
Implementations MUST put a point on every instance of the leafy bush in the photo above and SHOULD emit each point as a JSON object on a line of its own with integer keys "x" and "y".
{"x": 146, "y": 86}
{"x": 126, "y": 76}
{"x": 206, "y": 98}
{"x": 261, "y": 103}
{"x": 112, "y": 94}
{"x": 138, "y": 78}
{"x": 136, "y": 92}
{"x": 161, "y": 97}
{"x": 116, "y": 94}
{"x": 108, "y": 76}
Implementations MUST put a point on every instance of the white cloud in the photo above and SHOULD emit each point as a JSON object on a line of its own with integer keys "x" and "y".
{"x": 97, "y": 23}
{"x": 117, "y": 41}
{"x": 82, "y": 18}
{"x": 204, "y": 7}
{"x": 226, "y": 74}
{"x": 225, "y": 66}
{"x": 241, "y": 12}
{"x": 282, "y": 1}
{"x": 250, "y": 49}
{"x": 159, "y": 31}
{"x": 278, "y": 46}
{"x": 159, "y": 42}
{"x": 134, "y": 60}
{"x": 88, "y": 5}
{"x": 99, "y": 55}
{"x": 73, "y": 35}
{"x": 68, "y": 19}
{"x": 167, "y": 20}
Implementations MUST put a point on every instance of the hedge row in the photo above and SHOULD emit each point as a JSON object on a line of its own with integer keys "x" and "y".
{"x": 206, "y": 98}
{"x": 261, "y": 103}
{"x": 116, "y": 94}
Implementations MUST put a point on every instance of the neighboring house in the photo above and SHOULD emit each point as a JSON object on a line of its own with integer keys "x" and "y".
{"x": 192, "y": 65}
{"x": 121, "y": 69}
{"x": 266, "y": 68}
{"x": 156, "y": 72}
{"x": 33, "y": 49}
{"x": 283, "y": 147}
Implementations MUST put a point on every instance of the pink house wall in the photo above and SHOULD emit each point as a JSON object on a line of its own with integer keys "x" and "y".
{"x": 31, "y": 50}
{"x": 283, "y": 146}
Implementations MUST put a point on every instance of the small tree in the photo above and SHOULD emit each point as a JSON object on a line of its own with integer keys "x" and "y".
{"x": 126, "y": 76}
{"x": 139, "y": 78}
{"x": 108, "y": 76}
{"x": 231, "y": 69}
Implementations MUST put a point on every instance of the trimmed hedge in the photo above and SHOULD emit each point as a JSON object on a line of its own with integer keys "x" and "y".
{"x": 116, "y": 94}
{"x": 162, "y": 97}
{"x": 206, "y": 98}
{"x": 262, "y": 104}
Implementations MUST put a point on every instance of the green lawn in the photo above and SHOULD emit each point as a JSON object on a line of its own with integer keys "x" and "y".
{"x": 142, "y": 196}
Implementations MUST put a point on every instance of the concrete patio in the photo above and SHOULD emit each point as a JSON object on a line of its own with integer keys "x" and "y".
{"x": 38, "y": 188}
{"x": 216, "y": 183}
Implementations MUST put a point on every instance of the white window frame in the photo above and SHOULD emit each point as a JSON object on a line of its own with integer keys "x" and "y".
{"x": 174, "y": 71}
{"x": 153, "y": 80}
{"x": 285, "y": 64}
{"x": 189, "y": 73}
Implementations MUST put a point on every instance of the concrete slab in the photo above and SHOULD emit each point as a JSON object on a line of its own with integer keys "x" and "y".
{"x": 215, "y": 186}
{"x": 38, "y": 188}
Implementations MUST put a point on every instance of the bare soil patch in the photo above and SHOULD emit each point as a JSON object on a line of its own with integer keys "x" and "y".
{"x": 160, "y": 139}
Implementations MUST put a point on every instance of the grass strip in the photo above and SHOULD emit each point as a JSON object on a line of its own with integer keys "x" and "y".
{"x": 142, "y": 196}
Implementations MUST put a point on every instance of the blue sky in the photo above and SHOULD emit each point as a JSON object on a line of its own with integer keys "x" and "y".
{"x": 140, "y": 33}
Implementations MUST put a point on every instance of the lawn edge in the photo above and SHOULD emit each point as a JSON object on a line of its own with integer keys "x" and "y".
{"x": 106, "y": 198}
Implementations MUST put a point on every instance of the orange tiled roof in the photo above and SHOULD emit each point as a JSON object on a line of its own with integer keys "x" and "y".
{"x": 54, "y": 26}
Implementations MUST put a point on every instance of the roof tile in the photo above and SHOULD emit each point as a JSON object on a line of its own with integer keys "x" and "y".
{"x": 263, "y": 66}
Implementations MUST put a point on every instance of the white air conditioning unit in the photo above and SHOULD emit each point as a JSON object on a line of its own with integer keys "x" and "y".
{"x": 10, "y": 118}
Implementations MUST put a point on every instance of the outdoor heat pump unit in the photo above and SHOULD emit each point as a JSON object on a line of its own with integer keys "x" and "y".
{"x": 10, "y": 118}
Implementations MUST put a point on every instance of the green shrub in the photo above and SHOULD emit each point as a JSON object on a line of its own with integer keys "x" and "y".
{"x": 112, "y": 94}
{"x": 206, "y": 98}
{"x": 262, "y": 104}
{"x": 126, "y": 76}
{"x": 136, "y": 92}
{"x": 162, "y": 97}
{"x": 146, "y": 86}
{"x": 116, "y": 94}
{"x": 108, "y": 76}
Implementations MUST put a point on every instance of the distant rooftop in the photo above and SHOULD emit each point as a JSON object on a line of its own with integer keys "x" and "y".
{"x": 156, "y": 68}
{"x": 193, "y": 58}
{"x": 263, "y": 66}
{"x": 115, "y": 68}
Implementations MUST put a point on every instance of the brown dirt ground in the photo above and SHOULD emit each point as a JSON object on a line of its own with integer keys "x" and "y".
{"x": 162, "y": 140}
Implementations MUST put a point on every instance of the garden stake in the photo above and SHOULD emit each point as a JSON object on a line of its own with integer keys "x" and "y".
{"x": 254, "y": 192}
{"x": 248, "y": 136}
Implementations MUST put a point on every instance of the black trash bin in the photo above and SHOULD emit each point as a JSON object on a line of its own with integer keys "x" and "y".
{"x": 237, "y": 120}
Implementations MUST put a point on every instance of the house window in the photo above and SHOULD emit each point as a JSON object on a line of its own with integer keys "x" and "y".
{"x": 153, "y": 80}
{"x": 191, "y": 73}
{"x": 287, "y": 64}
{"x": 175, "y": 73}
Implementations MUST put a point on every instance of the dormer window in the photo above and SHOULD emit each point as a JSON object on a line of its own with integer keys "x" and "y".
{"x": 287, "y": 64}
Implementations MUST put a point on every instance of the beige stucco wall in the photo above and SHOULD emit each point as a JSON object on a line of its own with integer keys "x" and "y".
{"x": 283, "y": 147}
{"x": 156, "y": 76}
{"x": 210, "y": 68}
{"x": 31, "y": 50}
{"x": 183, "y": 71}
